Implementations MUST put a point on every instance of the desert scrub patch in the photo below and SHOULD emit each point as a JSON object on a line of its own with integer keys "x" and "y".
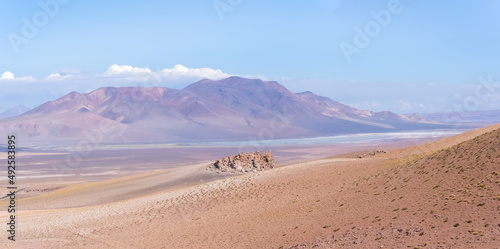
{"x": 456, "y": 225}
{"x": 326, "y": 226}
{"x": 435, "y": 187}
{"x": 481, "y": 204}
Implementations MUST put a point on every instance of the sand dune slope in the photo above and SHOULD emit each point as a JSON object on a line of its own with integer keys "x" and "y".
{"x": 447, "y": 196}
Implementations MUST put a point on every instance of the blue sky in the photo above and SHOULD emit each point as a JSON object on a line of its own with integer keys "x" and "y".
{"x": 427, "y": 56}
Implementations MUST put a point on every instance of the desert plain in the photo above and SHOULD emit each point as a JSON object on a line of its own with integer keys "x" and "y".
{"x": 419, "y": 194}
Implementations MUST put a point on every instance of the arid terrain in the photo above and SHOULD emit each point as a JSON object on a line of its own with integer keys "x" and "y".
{"x": 228, "y": 124}
{"x": 230, "y": 109}
{"x": 441, "y": 194}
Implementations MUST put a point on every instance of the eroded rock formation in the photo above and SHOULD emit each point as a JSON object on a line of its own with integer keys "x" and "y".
{"x": 244, "y": 162}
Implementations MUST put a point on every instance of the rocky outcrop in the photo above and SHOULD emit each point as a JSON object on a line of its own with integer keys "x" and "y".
{"x": 245, "y": 162}
{"x": 373, "y": 153}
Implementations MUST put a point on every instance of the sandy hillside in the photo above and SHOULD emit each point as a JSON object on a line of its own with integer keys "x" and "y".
{"x": 444, "y": 194}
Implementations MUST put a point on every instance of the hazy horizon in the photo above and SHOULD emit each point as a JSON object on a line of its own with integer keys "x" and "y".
{"x": 401, "y": 56}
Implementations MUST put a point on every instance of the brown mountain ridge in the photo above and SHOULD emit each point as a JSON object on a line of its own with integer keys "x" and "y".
{"x": 228, "y": 109}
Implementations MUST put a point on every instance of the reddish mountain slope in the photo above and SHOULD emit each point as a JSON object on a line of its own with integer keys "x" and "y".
{"x": 232, "y": 108}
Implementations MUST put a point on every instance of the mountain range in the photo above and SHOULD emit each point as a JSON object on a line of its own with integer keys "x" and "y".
{"x": 216, "y": 110}
{"x": 463, "y": 118}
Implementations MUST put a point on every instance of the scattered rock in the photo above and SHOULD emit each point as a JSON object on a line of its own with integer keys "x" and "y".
{"x": 42, "y": 189}
{"x": 373, "y": 153}
{"x": 244, "y": 162}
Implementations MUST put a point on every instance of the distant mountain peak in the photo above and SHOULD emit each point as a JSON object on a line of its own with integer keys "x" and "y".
{"x": 14, "y": 111}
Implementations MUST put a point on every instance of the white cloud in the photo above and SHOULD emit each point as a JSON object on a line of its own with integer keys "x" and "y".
{"x": 177, "y": 73}
{"x": 182, "y": 71}
{"x": 7, "y": 76}
{"x": 10, "y": 76}
{"x": 127, "y": 75}
{"x": 58, "y": 76}
{"x": 125, "y": 70}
